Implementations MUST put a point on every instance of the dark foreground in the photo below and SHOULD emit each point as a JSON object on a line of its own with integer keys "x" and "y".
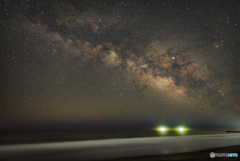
{"x": 168, "y": 147}
{"x": 29, "y": 137}
{"x": 191, "y": 156}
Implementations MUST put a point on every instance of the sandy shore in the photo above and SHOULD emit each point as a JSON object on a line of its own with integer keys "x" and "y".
{"x": 192, "y": 156}
{"x": 150, "y": 148}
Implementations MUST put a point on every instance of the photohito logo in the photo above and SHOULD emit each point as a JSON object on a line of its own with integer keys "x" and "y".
{"x": 212, "y": 154}
{"x": 232, "y": 154}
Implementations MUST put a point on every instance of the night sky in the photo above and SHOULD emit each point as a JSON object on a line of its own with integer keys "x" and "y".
{"x": 120, "y": 64}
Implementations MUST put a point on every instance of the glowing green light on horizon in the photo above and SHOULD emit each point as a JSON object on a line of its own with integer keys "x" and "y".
{"x": 181, "y": 129}
{"x": 162, "y": 129}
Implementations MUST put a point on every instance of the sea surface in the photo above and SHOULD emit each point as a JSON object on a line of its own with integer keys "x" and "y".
{"x": 114, "y": 148}
{"x": 108, "y": 144}
{"x": 20, "y": 137}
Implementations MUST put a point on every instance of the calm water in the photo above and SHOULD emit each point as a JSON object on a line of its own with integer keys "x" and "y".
{"x": 46, "y": 136}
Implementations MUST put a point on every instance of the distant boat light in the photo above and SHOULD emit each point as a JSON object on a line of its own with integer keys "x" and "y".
{"x": 181, "y": 129}
{"x": 162, "y": 129}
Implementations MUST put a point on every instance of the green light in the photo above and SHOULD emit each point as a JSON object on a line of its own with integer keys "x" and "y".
{"x": 181, "y": 129}
{"x": 162, "y": 129}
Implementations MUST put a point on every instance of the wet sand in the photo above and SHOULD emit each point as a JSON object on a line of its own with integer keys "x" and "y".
{"x": 146, "y": 148}
{"x": 61, "y": 145}
{"x": 191, "y": 156}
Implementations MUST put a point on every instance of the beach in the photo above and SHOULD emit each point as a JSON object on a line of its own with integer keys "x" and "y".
{"x": 166, "y": 147}
{"x": 195, "y": 156}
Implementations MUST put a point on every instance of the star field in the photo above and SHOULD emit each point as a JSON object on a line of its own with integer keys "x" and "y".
{"x": 96, "y": 63}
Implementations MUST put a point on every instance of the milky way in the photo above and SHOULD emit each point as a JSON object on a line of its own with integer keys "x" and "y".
{"x": 121, "y": 61}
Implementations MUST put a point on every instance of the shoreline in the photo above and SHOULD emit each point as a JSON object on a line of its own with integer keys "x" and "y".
{"x": 162, "y": 148}
{"x": 197, "y": 155}
{"x": 34, "y": 137}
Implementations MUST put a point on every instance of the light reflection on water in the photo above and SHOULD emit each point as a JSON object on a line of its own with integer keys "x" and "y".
{"x": 50, "y": 136}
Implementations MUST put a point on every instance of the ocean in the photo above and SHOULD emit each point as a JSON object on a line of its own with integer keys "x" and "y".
{"x": 20, "y": 137}
{"x": 108, "y": 144}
